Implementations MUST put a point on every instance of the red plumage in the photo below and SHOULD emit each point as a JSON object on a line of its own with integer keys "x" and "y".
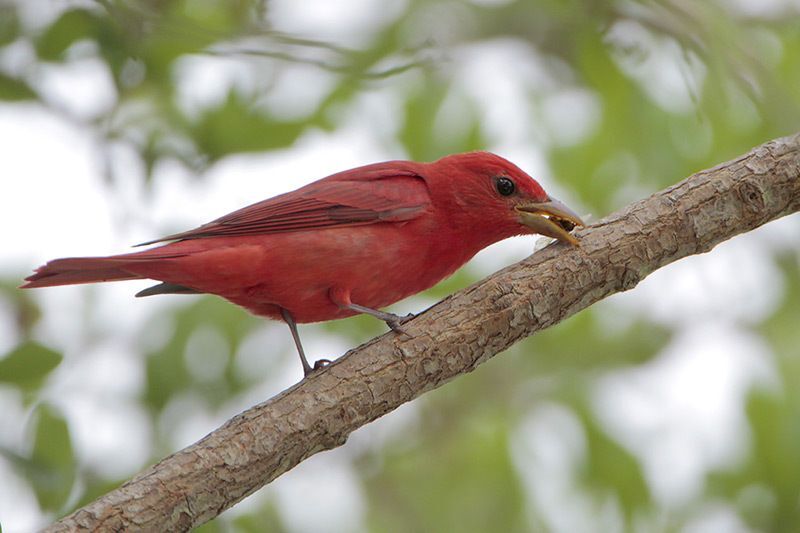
{"x": 362, "y": 238}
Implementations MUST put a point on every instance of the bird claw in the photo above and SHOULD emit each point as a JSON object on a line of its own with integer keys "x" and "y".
{"x": 396, "y": 323}
{"x": 321, "y": 363}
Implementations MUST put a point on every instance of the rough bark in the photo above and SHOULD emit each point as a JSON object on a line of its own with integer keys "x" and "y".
{"x": 197, "y": 483}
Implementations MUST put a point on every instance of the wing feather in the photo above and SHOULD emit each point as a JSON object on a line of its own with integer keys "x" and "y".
{"x": 385, "y": 192}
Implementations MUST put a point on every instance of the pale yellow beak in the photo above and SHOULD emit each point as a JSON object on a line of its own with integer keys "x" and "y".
{"x": 551, "y": 219}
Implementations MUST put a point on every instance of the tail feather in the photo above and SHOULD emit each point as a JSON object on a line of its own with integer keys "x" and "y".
{"x": 166, "y": 288}
{"x": 74, "y": 270}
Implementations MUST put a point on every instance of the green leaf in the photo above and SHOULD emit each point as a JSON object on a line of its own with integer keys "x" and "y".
{"x": 462, "y": 476}
{"x": 13, "y": 89}
{"x": 9, "y": 24}
{"x": 611, "y": 468}
{"x": 265, "y": 518}
{"x": 238, "y": 126}
{"x": 24, "y": 308}
{"x": 52, "y": 463}
{"x": 28, "y": 364}
{"x": 74, "y": 25}
{"x": 583, "y": 344}
{"x": 439, "y": 120}
{"x": 167, "y": 368}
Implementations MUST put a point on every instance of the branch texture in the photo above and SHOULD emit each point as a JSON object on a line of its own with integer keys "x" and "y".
{"x": 197, "y": 483}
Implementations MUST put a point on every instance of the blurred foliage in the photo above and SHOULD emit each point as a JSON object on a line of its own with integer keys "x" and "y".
{"x": 50, "y": 466}
{"x": 662, "y": 89}
{"x": 445, "y": 496}
{"x": 52, "y": 463}
{"x": 27, "y": 365}
{"x": 766, "y": 486}
{"x": 168, "y": 371}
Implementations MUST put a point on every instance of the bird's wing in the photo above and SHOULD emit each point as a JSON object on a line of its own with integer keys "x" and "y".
{"x": 378, "y": 193}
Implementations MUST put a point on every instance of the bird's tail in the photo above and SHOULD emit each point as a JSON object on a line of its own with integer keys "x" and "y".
{"x": 74, "y": 270}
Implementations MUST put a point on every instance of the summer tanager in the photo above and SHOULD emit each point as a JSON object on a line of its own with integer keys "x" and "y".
{"x": 350, "y": 243}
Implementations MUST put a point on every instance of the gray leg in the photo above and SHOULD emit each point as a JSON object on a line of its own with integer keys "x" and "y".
{"x": 287, "y": 317}
{"x": 395, "y": 322}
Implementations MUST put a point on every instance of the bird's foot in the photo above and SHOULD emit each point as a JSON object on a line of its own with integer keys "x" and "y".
{"x": 319, "y": 364}
{"x": 395, "y": 322}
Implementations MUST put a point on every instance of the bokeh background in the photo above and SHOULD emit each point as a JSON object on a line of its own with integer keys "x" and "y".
{"x": 674, "y": 407}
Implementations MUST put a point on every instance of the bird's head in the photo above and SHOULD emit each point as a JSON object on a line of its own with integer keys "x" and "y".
{"x": 485, "y": 189}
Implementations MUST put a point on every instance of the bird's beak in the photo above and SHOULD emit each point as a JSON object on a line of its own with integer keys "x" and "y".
{"x": 550, "y": 218}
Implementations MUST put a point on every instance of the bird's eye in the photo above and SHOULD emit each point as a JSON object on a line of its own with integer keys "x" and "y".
{"x": 504, "y": 186}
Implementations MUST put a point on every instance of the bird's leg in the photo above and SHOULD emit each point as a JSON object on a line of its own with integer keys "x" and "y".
{"x": 395, "y": 322}
{"x": 341, "y": 297}
{"x": 307, "y": 369}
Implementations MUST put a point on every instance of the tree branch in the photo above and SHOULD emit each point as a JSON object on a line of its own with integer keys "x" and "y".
{"x": 197, "y": 483}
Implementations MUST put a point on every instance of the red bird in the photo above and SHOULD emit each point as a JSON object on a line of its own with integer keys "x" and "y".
{"x": 350, "y": 243}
